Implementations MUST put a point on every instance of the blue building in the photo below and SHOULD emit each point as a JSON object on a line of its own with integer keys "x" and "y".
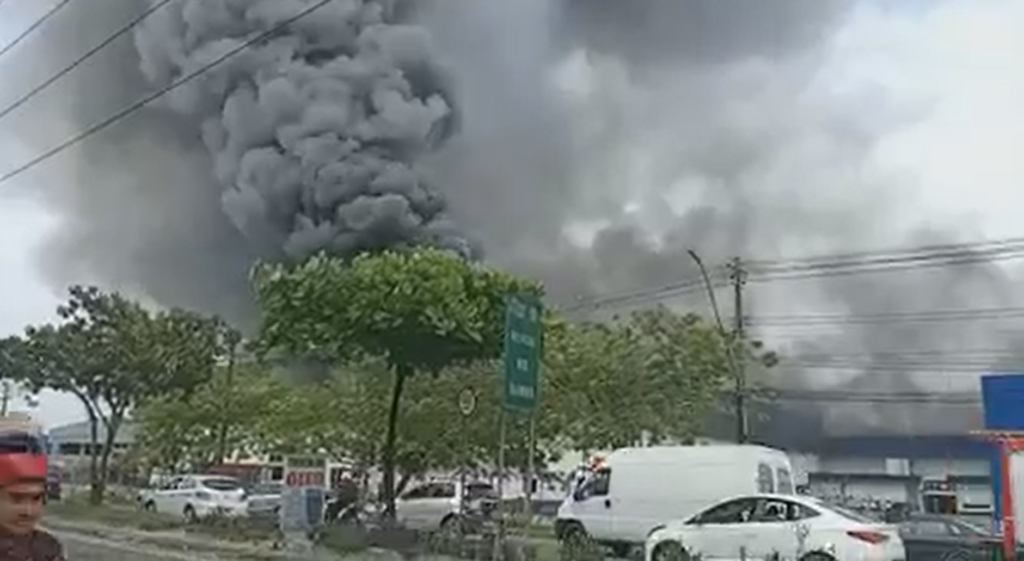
{"x": 1003, "y": 398}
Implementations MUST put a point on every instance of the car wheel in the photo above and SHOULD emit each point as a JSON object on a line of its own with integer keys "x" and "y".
{"x": 670, "y": 551}
{"x": 575, "y": 544}
{"x": 190, "y": 514}
{"x": 817, "y": 556}
{"x": 149, "y": 506}
{"x": 958, "y": 555}
{"x": 450, "y": 524}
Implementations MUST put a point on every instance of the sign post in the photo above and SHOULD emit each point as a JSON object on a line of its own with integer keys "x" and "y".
{"x": 467, "y": 405}
{"x": 302, "y": 502}
{"x": 524, "y": 328}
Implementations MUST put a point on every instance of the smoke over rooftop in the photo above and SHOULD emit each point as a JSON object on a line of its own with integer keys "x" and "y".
{"x": 588, "y": 142}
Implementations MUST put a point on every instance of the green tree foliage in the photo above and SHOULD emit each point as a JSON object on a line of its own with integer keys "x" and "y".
{"x": 192, "y": 430}
{"x": 346, "y": 416}
{"x": 418, "y": 311}
{"x": 656, "y": 375}
{"x": 112, "y": 354}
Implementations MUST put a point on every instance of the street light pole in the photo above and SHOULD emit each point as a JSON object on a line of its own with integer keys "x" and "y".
{"x": 738, "y": 372}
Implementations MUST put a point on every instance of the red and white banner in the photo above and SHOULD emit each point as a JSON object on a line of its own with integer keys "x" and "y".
{"x": 304, "y": 477}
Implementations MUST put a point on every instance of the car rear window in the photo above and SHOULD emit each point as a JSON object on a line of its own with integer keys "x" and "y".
{"x": 222, "y": 484}
{"x": 267, "y": 489}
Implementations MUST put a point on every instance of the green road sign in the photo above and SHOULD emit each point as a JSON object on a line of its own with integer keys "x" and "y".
{"x": 523, "y": 331}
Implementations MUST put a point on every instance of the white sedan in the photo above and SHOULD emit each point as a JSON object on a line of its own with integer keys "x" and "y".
{"x": 774, "y": 527}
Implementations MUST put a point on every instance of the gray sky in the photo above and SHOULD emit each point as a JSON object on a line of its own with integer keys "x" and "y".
{"x": 956, "y": 60}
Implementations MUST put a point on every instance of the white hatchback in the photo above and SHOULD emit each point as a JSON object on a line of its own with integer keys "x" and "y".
{"x": 198, "y": 496}
{"x": 767, "y": 527}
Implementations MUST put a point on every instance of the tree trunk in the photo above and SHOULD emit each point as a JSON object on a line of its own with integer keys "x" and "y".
{"x": 401, "y": 373}
{"x": 113, "y": 425}
{"x": 403, "y": 482}
{"x": 227, "y": 410}
{"x": 95, "y": 487}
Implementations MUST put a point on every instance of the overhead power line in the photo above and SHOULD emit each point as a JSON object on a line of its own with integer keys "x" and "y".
{"x": 145, "y": 101}
{"x": 925, "y": 316}
{"x": 45, "y": 84}
{"x": 921, "y": 367}
{"x": 907, "y": 398}
{"x": 885, "y": 261}
{"x": 897, "y": 252}
{"x": 888, "y": 264}
{"x": 35, "y": 25}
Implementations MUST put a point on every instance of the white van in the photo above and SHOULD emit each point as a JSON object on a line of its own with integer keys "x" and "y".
{"x": 636, "y": 489}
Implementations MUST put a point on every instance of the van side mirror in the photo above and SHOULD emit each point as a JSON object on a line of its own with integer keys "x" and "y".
{"x": 579, "y": 495}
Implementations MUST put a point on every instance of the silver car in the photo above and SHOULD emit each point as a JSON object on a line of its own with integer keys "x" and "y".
{"x": 439, "y": 504}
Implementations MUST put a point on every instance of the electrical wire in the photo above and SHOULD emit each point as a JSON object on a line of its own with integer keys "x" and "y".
{"x": 888, "y": 264}
{"x": 865, "y": 398}
{"x": 923, "y": 257}
{"x": 642, "y": 296}
{"x": 35, "y": 25}
{"x": 926, "y": 316}
{"x": 894, "y": 252}
{"x": 42, "y": 86}
{"x": 145, "y": 101}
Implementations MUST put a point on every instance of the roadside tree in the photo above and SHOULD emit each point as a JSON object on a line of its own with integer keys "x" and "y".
{"x": 419, "y": 311}
{"x": 112, "y": 354}
{"x": 197, "y": 429}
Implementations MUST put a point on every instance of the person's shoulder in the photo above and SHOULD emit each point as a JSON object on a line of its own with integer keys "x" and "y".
{"x": 46, "y": 546}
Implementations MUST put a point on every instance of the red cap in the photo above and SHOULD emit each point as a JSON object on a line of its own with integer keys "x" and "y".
{"x": 16, "y": 468}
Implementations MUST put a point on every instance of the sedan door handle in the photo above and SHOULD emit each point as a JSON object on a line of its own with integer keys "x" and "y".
{"x": 607, "y": 503}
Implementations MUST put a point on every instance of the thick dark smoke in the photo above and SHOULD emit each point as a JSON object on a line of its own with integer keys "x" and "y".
{"x": 315, "y": 132}
{"x": 594, "y": 142}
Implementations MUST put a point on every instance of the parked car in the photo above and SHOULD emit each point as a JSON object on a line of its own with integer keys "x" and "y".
{"x": 937, "y": 536}
{"x": 197, "y": 496}
{"x": 767, "y": 526}
{"x": 264, "y": 500}
{"x": 438, "y": 505}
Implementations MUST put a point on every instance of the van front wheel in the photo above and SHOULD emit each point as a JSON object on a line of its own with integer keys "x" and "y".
{"x": 575, "y": 544}
{"x": 670, "y": 551}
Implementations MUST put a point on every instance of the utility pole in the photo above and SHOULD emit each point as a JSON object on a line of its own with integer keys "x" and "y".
{"x": 738, "y": 278}
{"x": 232, "y": 340}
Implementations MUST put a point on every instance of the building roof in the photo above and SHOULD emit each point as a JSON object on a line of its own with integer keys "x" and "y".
{"x": 79, "y": 433}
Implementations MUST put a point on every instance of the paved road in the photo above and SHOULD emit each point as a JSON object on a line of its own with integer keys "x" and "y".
{"x": 88, "y": 548}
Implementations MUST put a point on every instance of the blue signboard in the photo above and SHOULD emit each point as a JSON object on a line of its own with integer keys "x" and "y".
{"x": 1003, "y": 397}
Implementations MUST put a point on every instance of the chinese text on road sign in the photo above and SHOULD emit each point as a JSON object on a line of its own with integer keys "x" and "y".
{"x": 523, "y": 332}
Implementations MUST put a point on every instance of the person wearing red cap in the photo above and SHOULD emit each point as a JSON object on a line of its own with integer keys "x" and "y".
{"x": 22, "y": 493}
